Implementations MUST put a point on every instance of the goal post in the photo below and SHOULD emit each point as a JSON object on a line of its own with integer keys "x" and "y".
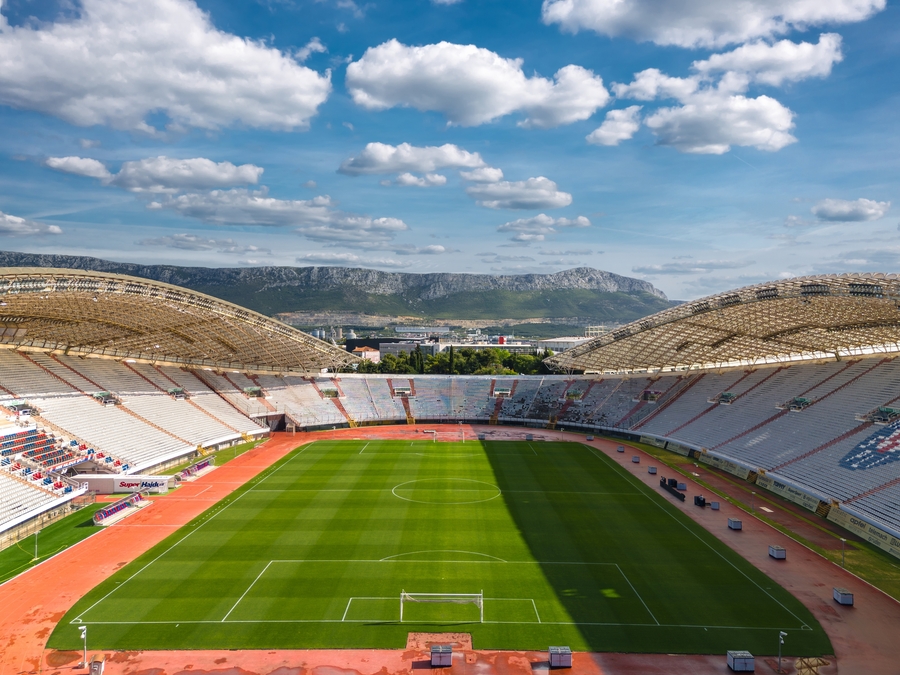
{"x": 476, "y": 599}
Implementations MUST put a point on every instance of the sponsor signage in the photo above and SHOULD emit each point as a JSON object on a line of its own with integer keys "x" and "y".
{"x": 725, "y": 465}
{"x": 104, "y": 483}
{"x": 867, "y": 531}
{"x": 788, "y": 492}
{"x": 650, "y": 440}
{"x": 882, "y": 447}
{"x": 132, "y": 485}
{"x": 678, "y": 449}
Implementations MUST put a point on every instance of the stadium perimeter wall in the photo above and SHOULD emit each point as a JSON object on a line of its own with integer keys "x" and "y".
{"x": 885, "y": 538}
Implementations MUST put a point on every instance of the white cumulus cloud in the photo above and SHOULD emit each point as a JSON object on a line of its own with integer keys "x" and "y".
{"x": 381, "y": 158}
{"x": 316, "y": 219}
{"x": 774, "y": 64}
{"x": 702, "y": 23}
{"x": 80, "y": 166}
{"x": 314, "y": 46}
{"x": 487, "y": 174}
{"x": 471, "y": 85}
{"x": 844, "y": 211}
{"x": 619, "y": 125}
{"x": 537, "y": 228}
{"x": 653, "y": 83}
{"x": 713, "y": 120}
{"x": 428, "y": 180}
{"x": 534, "y": 193}
{"x": 13, "y": 226}
{"x": 162, "y": 174}
{"x": 121, "y": 60}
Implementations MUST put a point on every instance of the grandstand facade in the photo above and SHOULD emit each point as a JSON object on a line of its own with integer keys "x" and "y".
{"x": 835, "y": 315}
{"x": 817, "y": 422}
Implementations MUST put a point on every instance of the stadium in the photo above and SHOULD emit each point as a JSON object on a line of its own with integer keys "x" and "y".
{"x": 635, "y": 505}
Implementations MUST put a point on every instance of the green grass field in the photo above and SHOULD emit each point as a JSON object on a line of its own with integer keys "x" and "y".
{"x": 51, "y": 540}
{"x": 566, "y": 546}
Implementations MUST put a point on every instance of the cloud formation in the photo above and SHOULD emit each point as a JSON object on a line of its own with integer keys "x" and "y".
{"x": 121, "y": 60}
{"x": 315, "y": 219}
{"x": 431, "y": 249}
{"x": 775, "y": 64}
{"x": 692, "y": 267}
{"x": 428, "y": 180}
{"x": 381, "y": 158}
{"x": 470, "y": 85}
{"x": 702, "y": 23}
{"x": 487, "y": 174}
{"x": 162, "y": 175}
{"x": 13, "y": 226}
{"x": 534, "y": 193}
{"x": 347, "y": 259}
{"x": 193, "y": 242}
{"x": 528, "y": 230}
{"x": 314, "y": 46}
{"x": 712, "y": 121}
{"x": 80, "y": 166}
{"x": 844, "y": 211}
{"x": 619, "y": 125}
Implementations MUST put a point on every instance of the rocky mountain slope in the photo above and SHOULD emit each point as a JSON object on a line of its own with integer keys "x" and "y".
{"x": 582, "y": 291}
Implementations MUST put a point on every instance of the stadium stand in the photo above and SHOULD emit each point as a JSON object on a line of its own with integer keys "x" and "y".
{"x": 794, "y": 383}
{"x": 145, "y": 398}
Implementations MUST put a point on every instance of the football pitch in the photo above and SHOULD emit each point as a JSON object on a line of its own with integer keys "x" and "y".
{"x": 564, "y": 545}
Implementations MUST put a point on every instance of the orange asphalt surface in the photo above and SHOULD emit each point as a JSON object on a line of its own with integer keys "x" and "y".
{"x": 864, "y": 637}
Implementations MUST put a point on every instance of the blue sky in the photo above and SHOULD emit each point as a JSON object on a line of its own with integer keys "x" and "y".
{"x": 698, "y": 144}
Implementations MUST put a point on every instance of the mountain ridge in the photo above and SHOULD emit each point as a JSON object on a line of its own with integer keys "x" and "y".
{"x": 270, "y": 290}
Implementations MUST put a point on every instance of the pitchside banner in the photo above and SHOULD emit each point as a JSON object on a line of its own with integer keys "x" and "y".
{"x": 788, "y": 492}
{"x": 867, "y": 531}
{"x": 678, "y": 449}
{"x": 726, "y": 465}
{"x": 649, "y": 440}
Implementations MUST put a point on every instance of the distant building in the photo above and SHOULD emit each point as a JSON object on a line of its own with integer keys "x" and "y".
{"x": 368, "y": 353}
{"x": 518, "y": 347}
{"x": 561, "y": 344}
{"x": 428, "y": 348}
{"x": 422, "y": 331}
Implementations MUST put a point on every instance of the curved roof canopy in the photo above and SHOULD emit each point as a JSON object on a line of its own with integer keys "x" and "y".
{"x": 118, "y": 316}
{"x": 801, "y": 318}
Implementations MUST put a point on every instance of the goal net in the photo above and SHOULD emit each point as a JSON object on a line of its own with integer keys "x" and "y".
{"x": 476, "y": 599}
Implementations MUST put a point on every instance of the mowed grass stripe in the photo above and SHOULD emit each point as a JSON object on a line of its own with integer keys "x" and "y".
{"x": 548, "y": 530}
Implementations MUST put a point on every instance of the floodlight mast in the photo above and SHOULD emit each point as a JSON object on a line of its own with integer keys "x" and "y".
{"x": 781, "y": 636}
{"x": 84, "y": 663}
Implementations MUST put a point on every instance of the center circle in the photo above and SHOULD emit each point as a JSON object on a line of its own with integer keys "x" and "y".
{"x": 446, "y": 491}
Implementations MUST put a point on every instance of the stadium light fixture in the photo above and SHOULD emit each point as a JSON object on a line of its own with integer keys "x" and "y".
{"x": 84, "y": 664}
{"x": 781, "y": 636}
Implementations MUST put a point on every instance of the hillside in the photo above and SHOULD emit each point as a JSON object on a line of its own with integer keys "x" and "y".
{"x": 580, "y": 292}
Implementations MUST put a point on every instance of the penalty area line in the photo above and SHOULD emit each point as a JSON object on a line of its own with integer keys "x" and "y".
{"x": 248, "y": 590}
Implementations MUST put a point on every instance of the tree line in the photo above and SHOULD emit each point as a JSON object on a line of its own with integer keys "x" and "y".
{"x": 465, "y": 361}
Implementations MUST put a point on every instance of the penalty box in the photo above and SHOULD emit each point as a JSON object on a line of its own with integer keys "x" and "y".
{"x": 370, "y": 591}
{"x": 387, "y": 610}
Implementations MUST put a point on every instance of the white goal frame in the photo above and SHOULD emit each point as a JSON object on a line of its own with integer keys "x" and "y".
{"x": 476, "y": 599}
